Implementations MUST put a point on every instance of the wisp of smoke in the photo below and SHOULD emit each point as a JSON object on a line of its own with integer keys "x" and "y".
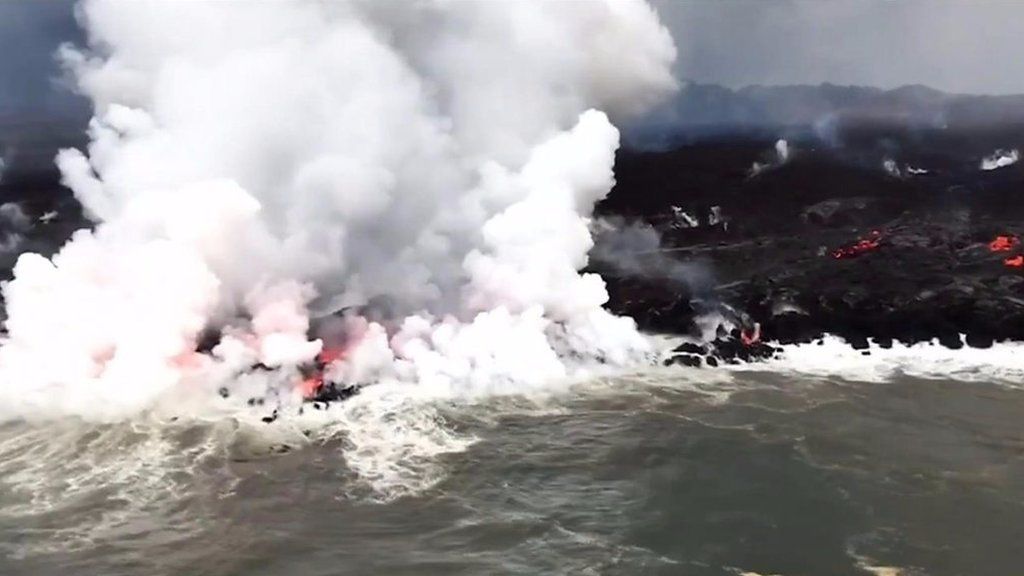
{"x": 781, "y": 156}
{"x": 13, "y": 223}
{"x": 635, "y": 249}
{"x": 250, "y": 167}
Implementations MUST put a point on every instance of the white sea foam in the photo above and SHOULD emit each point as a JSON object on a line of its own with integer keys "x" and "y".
{"x": 835, "y": 358}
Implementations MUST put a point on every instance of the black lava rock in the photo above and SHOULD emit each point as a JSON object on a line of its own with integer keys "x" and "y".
{"x": 691, "y": 360}
{"x": 829, "y": 243}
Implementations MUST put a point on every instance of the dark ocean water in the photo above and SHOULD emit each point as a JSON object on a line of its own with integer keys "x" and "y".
{"x": 759, "y": 473}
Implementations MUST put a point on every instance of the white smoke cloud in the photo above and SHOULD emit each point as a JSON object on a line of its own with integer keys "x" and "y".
{"x": 249, "y": 164}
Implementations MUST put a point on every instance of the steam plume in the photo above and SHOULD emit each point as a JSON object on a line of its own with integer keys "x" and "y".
{"x": 250, "y": 164}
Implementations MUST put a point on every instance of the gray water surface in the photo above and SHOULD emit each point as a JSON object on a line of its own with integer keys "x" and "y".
{"x": 784, "y": 476}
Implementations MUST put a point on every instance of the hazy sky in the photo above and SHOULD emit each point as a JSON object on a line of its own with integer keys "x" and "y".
{"x": 971, "y": 46}
{"x": 955, "y": 45}
{"x": 30, "y": 31}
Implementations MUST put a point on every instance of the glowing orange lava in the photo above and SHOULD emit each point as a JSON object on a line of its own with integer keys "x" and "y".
{"x": 311, "y": 385}
{"x": 862, "y": 246}
{"x": 751, "y": 337}
{"x": 1003, "y": 243}
{"x": 328, "y": 355}
{"x": 1015, "y": 262}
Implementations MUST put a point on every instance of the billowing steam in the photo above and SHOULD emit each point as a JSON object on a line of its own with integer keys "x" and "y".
{"x": 1000, "y": 159}
{"x": 251, "y": 164}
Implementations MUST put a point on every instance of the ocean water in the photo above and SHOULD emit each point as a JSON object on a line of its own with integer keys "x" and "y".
{"x": 674, "y": 471}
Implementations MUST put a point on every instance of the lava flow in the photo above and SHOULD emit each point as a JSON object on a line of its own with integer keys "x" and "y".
{"x": 1007, "y": 243}
{"x": 313, "y": 385}
{"x": 1003, "y": 243}
{"x": 752, "y": 336}
{"x": 862, "y": 246}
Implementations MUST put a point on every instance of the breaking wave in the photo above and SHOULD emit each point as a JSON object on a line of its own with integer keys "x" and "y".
{"x": 833, "y": 357}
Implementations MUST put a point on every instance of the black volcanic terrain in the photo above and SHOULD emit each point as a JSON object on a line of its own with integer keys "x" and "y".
{"x": 892, "y": 233}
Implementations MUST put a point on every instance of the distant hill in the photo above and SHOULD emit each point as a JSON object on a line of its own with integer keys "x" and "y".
{"x": 709, "y": 110}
